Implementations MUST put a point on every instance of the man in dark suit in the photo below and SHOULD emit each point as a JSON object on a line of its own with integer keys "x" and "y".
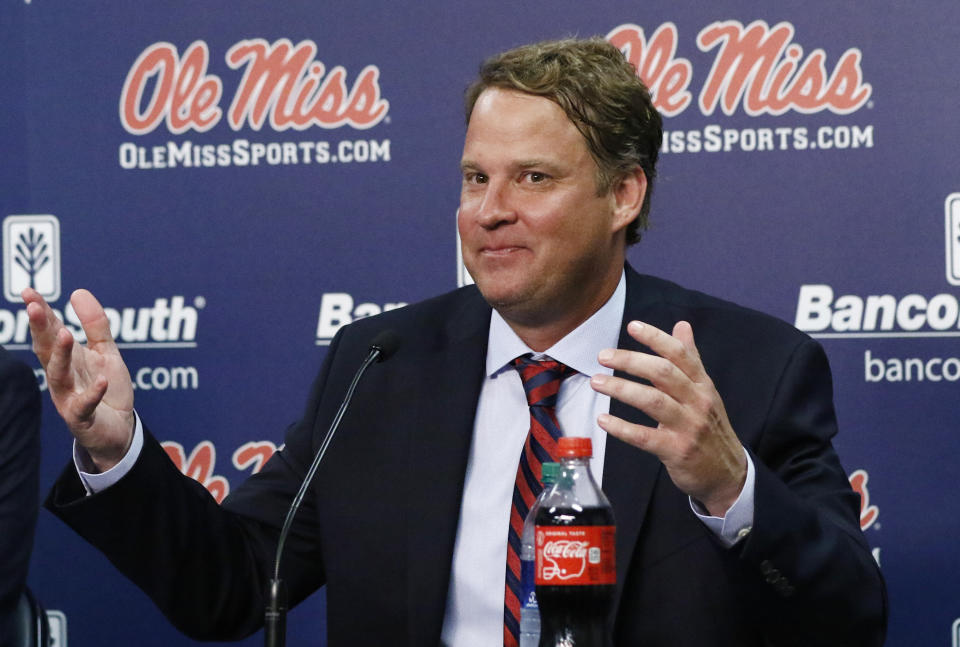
{"x": 736, "y": 525}
{"x": 19, "y": 480}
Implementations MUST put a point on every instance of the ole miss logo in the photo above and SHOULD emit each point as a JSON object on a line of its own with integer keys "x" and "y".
{"x": 283, "y": 85}
{"x": 757, "y": 67}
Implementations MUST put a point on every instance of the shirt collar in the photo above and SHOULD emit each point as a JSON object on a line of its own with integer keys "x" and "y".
{"x": 578, "y": 349}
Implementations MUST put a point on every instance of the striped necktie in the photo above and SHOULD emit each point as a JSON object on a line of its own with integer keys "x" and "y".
{"x": 541, "y": 382}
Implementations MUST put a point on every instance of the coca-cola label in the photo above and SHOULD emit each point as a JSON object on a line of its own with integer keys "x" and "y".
{"x": 576, "y": 555}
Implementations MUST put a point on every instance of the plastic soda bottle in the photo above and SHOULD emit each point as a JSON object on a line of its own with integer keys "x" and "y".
{"x": 576, "y": 570}
{"x": 529, "y": 613}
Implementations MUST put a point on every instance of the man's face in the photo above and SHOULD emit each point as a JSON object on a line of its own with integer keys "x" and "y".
{"x": 541, "y": 245}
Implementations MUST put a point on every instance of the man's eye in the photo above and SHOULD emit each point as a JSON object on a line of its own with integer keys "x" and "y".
{"x": 476, "y": 178}
{"x": 536, "y": 177}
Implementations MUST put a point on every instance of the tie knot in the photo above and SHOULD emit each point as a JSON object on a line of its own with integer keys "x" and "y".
{"x": 541, "y": 379}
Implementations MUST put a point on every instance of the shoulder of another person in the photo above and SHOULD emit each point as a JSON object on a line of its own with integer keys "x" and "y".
{"x": 15, "y": 372}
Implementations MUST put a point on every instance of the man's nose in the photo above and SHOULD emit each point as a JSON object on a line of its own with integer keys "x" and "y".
{"x": 497, "y": 207}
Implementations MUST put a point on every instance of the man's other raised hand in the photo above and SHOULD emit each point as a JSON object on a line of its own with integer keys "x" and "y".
{"x": 694, "y": 438}
{"x": 89, "y": 384}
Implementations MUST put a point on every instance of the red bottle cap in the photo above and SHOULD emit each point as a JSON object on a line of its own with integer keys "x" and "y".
{"x": 571, "y": 447}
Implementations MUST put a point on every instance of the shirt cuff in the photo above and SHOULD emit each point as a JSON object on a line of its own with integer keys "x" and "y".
{"x": 95, "y": 482}
{"x": 738, "y": 521}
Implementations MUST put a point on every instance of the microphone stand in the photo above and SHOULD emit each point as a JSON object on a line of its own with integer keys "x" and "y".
{"x": 275, "y": 616}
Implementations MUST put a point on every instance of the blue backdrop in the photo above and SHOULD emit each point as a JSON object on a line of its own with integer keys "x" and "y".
{"x": 235, "y": 180}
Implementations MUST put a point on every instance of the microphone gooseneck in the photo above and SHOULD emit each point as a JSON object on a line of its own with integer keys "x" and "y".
{"x": 382, "y": 347}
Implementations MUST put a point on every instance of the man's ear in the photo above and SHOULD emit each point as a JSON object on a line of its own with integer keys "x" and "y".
{"x": 627, "y": 194}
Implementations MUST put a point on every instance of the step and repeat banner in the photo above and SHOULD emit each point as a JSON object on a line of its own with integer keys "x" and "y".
{"x": 237, "y": 180}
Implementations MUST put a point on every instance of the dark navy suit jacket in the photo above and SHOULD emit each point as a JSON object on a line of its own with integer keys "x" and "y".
{"x": 379, "y": 525}
{"x": 19, "y": 479}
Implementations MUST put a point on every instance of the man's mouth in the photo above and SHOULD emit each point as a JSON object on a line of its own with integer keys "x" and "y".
{"x": 500, "y": 250}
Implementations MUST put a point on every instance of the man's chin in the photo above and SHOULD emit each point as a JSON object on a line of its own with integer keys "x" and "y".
{"x": 498, "y": 296}
{"x": 513, "y": 305}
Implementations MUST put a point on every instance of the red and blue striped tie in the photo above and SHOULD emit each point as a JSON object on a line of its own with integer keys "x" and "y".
{"x": 541, "y": 382}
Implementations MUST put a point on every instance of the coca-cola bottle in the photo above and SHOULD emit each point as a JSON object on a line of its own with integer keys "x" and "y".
{"x": 576, "y": 569}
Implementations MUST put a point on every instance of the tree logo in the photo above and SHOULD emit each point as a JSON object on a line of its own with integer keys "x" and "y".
{"x": 953, "y": 238}
{"x": 31, "y": 256}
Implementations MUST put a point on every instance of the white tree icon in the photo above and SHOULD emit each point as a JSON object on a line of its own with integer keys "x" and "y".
{"x": 32, "y": 253}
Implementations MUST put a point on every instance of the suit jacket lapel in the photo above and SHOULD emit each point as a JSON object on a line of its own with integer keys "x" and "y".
{"x": 629, "y": 474}
{"x": 451, "y": 374}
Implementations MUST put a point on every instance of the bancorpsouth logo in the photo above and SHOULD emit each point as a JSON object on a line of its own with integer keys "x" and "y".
{"x": 757, "y": 68}
{"x": 952, "y": 224}
{"x": 283, "y": 86}
{"x": 337, "y": 309}
{"x": 824, "y": 314}
{"x": 31, "y": 258}
{"x": 57, "y": 627}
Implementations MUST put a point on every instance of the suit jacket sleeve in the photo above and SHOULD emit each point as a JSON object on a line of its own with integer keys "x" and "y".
{"x": 808, "y": 558}
{"x": 206, "y": 566}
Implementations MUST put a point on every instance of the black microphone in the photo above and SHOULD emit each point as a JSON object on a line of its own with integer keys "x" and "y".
{"x": 387, "y": 343}
{"x": 382, "y": 347}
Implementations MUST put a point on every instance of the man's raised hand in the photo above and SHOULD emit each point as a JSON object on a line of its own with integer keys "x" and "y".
{"x": 89, "y": 384}
{"x": 694, "y": 438}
